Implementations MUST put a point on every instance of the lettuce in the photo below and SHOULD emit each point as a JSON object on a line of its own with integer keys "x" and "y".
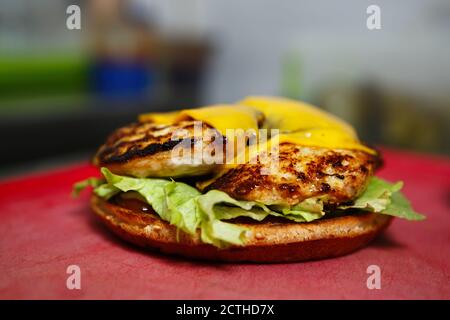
{"x": 189, "y": 210}
{"x": 89, "y": 182}
{"x": 400, "y": 207}
{"x": 386, "y": 198}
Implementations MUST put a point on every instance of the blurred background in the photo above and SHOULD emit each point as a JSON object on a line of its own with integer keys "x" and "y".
{"x": 62, "y": 91}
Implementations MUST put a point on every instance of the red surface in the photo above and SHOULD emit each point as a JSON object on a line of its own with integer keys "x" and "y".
{"x": 43, "y": 231}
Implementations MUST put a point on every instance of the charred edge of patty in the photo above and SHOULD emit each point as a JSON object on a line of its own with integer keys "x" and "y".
{"x": 107, "y": 156}
{"x": 110, "y": 152}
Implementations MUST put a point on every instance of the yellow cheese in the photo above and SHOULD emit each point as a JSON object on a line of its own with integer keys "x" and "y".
{"x": 223, "y": 117}
{"x": 220, "y": 117}
{"x": 159, "y": 117}
{"x": 326, "y": 138}
{"x": 298, "y": 122}
{"x": 303, "y": 124}
{"x": 290, "y": 115}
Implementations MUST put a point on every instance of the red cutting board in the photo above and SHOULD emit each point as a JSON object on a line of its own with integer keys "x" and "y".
{"x": 43, "y": 231}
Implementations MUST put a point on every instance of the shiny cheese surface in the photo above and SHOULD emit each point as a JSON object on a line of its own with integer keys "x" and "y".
{"x": 290, "y": 115}
{"x": 326, "y": 138}
{"x": 303, "y": 124}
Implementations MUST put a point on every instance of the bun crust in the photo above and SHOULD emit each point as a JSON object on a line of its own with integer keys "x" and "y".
{"x": 268, "y": 242}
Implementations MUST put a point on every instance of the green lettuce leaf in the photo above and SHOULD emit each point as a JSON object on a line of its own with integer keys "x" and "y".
{"x": 81, "y": 185}
{"x": 377, "y": 195}
{"x": 178, "y": 204}
{"x": 385, "y": 198}
{"x": 400, "y": 207}
{"x": 172, "y": 201}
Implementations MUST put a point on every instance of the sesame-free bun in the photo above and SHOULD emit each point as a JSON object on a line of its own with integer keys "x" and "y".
{"x": 274, "y": 241}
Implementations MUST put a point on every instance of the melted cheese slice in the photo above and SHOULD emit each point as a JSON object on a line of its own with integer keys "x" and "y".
{"x": 303, "y": 124}
{"x": 290, "y": 115}
{"x": 299, "y": 123}
{"x": 326, "y": 138}
{"x": 220, "y": 117}
{"x": 225, "y": 117}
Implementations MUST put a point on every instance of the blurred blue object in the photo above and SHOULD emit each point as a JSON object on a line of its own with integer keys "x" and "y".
{"x": 122, "y": 79}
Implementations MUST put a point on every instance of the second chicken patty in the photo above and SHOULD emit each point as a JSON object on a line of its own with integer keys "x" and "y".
{"x": 336, "y": 176}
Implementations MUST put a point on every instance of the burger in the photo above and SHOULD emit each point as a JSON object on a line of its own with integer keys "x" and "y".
{"x": 266, "y": 179}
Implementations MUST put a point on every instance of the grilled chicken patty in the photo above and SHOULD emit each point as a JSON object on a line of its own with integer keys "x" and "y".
{"x": 146, "y": 149}
{"x": 336, "y": 176}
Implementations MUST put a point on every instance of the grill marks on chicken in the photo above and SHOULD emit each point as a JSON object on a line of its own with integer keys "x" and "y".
{"x": 145, "y": 149}
{"x": 337, "y": 176}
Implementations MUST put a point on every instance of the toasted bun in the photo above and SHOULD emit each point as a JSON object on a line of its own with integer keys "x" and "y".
{"x": 268, "y": 241}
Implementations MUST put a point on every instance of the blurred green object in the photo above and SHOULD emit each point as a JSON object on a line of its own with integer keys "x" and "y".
{"x": 24, "y": 77}
{"x": 291, "y": 75}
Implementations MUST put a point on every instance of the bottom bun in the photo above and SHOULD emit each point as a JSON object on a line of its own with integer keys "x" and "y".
{"x": 273, "y": 241}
